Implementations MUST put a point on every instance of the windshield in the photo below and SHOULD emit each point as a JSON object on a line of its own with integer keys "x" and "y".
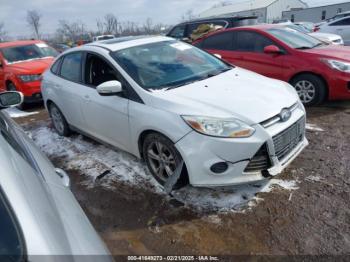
{"x": 168, "y": 64}
{"x": 28, "y": 52}
{"x": 294, "y": 38}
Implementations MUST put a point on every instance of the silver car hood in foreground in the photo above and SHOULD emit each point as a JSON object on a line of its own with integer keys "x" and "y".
{"x": 50, "y": 217}
{"x": 236, "y": 93}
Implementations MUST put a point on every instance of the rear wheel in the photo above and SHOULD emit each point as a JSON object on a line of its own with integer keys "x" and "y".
{"x": 310, "y": 88}
{"x": 162, "y": 158}
{"x": 59, "y": 121}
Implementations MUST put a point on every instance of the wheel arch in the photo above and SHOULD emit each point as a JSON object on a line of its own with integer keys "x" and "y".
{"x": 314, "y": 74}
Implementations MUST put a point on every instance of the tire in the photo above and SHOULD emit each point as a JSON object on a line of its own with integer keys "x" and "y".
{"x": 59, "y": 121}
{"x": 11, "y": 87}
{"x": 166, "y": 162}
{"x": 311, "y": 89}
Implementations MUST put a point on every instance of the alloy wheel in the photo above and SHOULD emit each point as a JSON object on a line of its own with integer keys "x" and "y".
{"x": 306, "y": 91}
{"x": 57, "y": 120}
{"x": 161, "y": 159}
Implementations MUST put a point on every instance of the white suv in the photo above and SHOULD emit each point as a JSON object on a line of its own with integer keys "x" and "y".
{"x": 177, "y": 106}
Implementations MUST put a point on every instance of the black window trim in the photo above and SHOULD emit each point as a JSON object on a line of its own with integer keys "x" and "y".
{"x": 283, "y": 50}
{"x": 339, "y": 20}
{"x": 16, "y": 223}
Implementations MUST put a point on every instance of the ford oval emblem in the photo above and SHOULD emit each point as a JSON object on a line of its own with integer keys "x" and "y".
{"x": 285, "y": 114}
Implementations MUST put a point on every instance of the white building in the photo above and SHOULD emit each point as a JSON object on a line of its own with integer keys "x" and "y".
{"x": 316, "y": 14}
{"x": 266, "y": 10}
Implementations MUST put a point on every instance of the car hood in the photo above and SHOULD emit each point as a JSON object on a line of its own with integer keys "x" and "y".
{"x": 331, "y": 37}
{"x": 37, "y": 66}
{"x": 331, "y": 51}
{"x": 237, "y": 93}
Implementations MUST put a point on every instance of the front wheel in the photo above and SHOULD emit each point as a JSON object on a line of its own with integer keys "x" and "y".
{"x": 162, "y": 158}
{"x": 310, "y": 88}
{"x": 59, "y": 121}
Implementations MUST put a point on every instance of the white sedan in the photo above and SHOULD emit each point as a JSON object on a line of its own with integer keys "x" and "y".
{"x": 175, "y": 106}
{"x": 339, "y": 26}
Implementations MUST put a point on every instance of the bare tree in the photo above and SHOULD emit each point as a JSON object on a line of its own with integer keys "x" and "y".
{"x": 2, "y": 32}
{"x": 111, "y": 24}
{"x": 222, "y": 3}
{"x": 100, "y": 27}
{"x": 33, "y": 20}
{"x": 72, "y": 31}
{"x": 148, "y": 26}
{"x": 188, "y": 15}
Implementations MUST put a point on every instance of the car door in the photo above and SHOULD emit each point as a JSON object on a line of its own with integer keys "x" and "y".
{"x": 106, "y": 117}
{"x": 340, "y": 27}
{"x": 68, "y": 89}
{"x": 248, "y": 47}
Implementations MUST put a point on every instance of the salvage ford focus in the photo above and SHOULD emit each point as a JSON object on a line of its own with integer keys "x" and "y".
{"x": 175, "y": 105}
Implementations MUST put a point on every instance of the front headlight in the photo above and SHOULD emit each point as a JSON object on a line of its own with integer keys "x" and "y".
{"x": 219, "y": 127}
{"x": 337, "y": 65}
{"x": 29, "y": 78}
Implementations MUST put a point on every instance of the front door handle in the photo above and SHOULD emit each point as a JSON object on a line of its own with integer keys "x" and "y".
{"x": 87, "y": 98}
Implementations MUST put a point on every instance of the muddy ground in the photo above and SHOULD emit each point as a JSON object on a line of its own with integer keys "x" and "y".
{"x": 313, "y": 219}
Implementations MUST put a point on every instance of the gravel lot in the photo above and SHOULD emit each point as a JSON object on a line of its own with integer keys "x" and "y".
{"x": 305, "y": 210}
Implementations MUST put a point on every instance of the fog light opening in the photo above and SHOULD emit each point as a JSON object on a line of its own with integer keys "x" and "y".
{"x": 266, "y": 174}
{"x": 219, "y": 167}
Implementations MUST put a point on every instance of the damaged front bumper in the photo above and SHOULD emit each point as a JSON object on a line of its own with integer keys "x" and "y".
{"x": 235, "y": 157}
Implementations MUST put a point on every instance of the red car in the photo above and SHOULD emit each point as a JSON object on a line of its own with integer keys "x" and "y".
{"x": 317, "y": 70}
{"x": 21, "y": 66}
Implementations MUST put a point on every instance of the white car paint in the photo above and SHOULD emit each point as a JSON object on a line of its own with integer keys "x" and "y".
{"x": 237, "y": 93}
{"x": 334, "y": 27}
{"x": 328, "y": 38}
{"x": 49, "y": 217}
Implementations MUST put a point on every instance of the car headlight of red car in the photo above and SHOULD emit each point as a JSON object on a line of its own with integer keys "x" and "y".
{"x": 338, "y": 65}
{"x": 29, "y": 78}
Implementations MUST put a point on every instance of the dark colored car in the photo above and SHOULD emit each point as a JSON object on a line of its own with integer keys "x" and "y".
{"x": 184, "y": 30}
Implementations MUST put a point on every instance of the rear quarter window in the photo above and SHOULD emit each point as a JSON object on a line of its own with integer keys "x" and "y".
{"x": 56, "y": 66}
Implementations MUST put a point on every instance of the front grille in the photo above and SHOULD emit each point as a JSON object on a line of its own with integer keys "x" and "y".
{"x": 260, "y": 161}
{"x": 289, "y": 138}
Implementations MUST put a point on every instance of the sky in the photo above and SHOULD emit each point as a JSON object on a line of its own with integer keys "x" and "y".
{"x": 13, "y": 12}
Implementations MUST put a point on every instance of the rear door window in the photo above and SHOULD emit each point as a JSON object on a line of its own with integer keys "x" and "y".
{"x": 222, "y": 41}
{"x": 12, "y": 246}
{"x": 71, "y": 67}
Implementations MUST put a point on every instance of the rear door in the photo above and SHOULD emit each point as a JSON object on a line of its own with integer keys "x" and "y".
{"x": 68, "y": 88}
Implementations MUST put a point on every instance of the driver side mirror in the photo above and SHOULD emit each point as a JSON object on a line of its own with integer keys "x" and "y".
{"x": 10, "y": 99}
{"x": 272, "y": 49}
{"x": 109, "y": 88}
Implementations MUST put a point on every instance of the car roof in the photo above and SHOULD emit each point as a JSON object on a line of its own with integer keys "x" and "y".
{"x": 20, "y": 43}
{"x": 128, "y": 41}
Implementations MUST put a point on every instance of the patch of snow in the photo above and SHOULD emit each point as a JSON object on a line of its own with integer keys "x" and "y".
{"x": 15, "y": 112}
{"x": 93, "y": 159}
{"x": 313, "y": 127}
{"x": 313, "y": 178}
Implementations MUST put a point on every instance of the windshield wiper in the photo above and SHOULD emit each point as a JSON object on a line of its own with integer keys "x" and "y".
{"x": 304, "y": 47}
